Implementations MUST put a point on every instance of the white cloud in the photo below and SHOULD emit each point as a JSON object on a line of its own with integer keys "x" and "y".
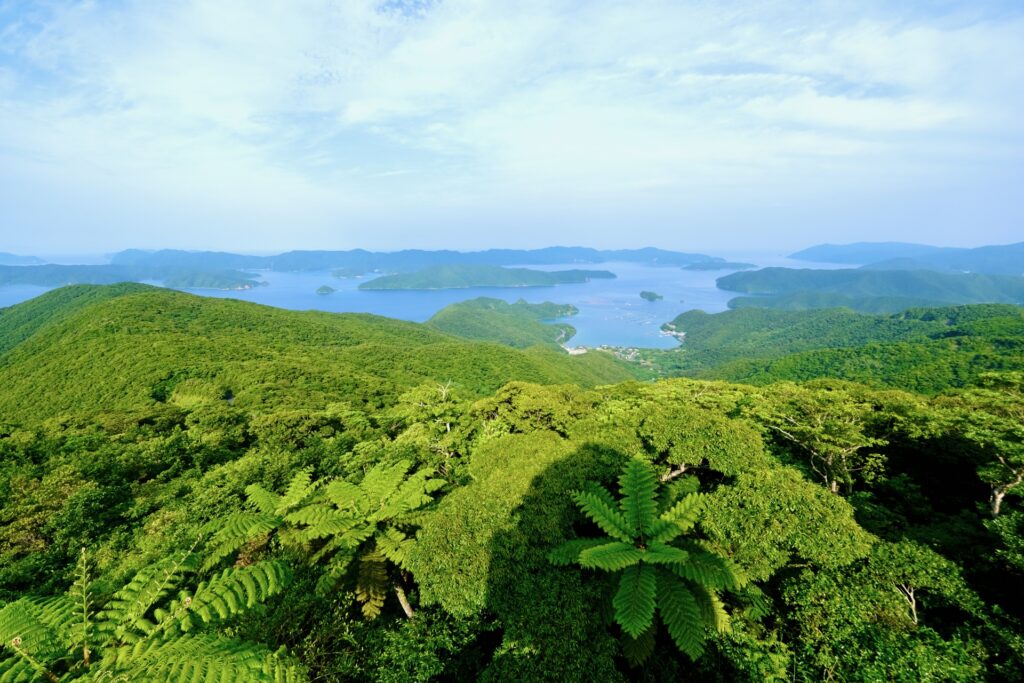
{"x": 340, "y": 108}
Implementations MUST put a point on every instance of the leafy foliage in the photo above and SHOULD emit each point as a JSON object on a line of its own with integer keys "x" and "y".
{"x": 680, "y": 581}
{"x": 144, "y": 632}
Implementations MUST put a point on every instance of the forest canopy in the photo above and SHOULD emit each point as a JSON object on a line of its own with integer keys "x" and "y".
{"x": 217, "y": 490}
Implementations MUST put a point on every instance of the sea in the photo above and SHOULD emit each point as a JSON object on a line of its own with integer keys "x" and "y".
{"x": 611, "y": 312}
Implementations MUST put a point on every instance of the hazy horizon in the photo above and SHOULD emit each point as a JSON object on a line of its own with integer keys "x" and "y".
{"x": 468, "y": 125}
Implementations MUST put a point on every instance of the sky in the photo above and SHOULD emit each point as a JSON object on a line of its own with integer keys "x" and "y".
{"x": 715, "y": 126}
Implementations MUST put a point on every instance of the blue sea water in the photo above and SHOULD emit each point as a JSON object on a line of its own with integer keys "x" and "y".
{"x": 611, "y": 312}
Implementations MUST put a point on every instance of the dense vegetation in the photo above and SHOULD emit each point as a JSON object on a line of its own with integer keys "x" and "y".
{"x": 520, "y": 324}
{"x": 466, "y": 276}
{"x": 650, "y": 296}
{"x": 868, "y": 290}
{"x": 272, "y": 495}
{"x": 995, "y": 260}
{"x": 925, "y": 350}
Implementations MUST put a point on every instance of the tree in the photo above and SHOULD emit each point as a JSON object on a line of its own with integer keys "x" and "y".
{"x": 659, "y": 571}
{"x": 338, "y": 524}
{"x": 145, "y": 631}
{"x": 992, "y": 420}
{"x": 828, "y": 427}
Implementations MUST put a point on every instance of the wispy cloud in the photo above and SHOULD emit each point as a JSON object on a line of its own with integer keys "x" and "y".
{"x": 233, "y": 115}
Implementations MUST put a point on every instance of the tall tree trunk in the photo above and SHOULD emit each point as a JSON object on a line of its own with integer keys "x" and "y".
{"x": 996, "y": 499}
{"x": 403, "y": 600}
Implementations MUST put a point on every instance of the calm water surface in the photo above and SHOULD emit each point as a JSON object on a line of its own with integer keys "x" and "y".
{"x": 611, "y": 311}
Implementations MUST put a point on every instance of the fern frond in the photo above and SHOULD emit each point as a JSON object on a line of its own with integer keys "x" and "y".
{"x": 381, "y": 482}
{"x": 130, "y": 604}
{"x": 299, "y": 489}
{"x": 610, "y": 557}
{"x": 707, "y": 569}
{"x": 661, "y": 553}
{"x": 634, "y": 601}
{"x": 680, "y": 518}
{"x": 569, "y": 552}
{"x": 347, "y": 496}
{"x": 681, "y": 614}
{"x": 320, "y": 521}
{"x": 265, "y": 502}
{"x": 199, "y": 658}
{"x": 711, "y": 608}
{"x": 16, "y": 670}
{"x": 333, "y": 572}
{"x": 413, "y": 493}
{"x": 609, "y": 519}
{"x": 232, "y": 592}
{"x": 395, "y": 546}
{"x": 638, "y": 486}
{"x": 37, "y": 629}
{"x": 237, "y": 530}
{"x": 637, "y": 650}
{"x": 371, "y": 584}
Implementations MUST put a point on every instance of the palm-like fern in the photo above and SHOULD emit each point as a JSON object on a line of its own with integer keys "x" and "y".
{"x": 660, "y": 572}
{"x": 151, "y": 629}
{"x": 365, "y": 522}
{"x": 340, "y": 524}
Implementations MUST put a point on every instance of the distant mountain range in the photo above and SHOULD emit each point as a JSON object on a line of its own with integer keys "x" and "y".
{"x": 15, "y": 260}
{"x": 1007, "y": 259}
{"x": 406, "y": 260}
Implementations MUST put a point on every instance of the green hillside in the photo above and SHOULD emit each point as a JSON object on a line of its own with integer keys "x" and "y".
{"x": 467, "y": 276}
{"x": 207, "y": 489}
{"x": 868, "y": 290}
{"x": 998, "y": 259}
{"x": 520, "y": 324}
{"x": 90, "y": 348}
{"x": 923, "y": 350}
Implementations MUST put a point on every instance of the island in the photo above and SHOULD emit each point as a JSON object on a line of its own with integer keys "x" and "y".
{"x": 463, "y": 276}
{"x": 719, "y": 265}
{"x": 324, "y": 290}
{"x": 519, "y": 325}
{"x": 650, "y": 296}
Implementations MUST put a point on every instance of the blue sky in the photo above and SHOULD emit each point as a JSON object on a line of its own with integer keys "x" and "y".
{"x": 718, "y": 126}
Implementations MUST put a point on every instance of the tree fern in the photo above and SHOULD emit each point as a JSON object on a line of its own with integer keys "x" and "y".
{"x": 142, "y": 633}
{"x": 660, "y": 573}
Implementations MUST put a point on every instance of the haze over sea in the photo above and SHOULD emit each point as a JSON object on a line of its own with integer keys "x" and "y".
{"x": 611, "y": 312}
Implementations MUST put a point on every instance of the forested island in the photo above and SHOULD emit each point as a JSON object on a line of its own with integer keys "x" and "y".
{"x": 868, "y": 290}
{"x": 468, "y": 276}
{"x": 650, "y": 296}
{"x": 346, "y": 497}
{"x": 1005, "y": 259}
{"x": 520, "y": 324}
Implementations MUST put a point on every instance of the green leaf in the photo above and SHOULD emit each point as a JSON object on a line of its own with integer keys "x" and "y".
{"x": 634, "y": 601}
{"x": 638, "y": 486}
{"x": 681, "y": 613}
{"x": 680, "y": 518}
{"x": 610, "y": 520}
{"x": 707, "y": 569}
{"x": 660, "y": 553}
{"x": 610, "y": 557}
